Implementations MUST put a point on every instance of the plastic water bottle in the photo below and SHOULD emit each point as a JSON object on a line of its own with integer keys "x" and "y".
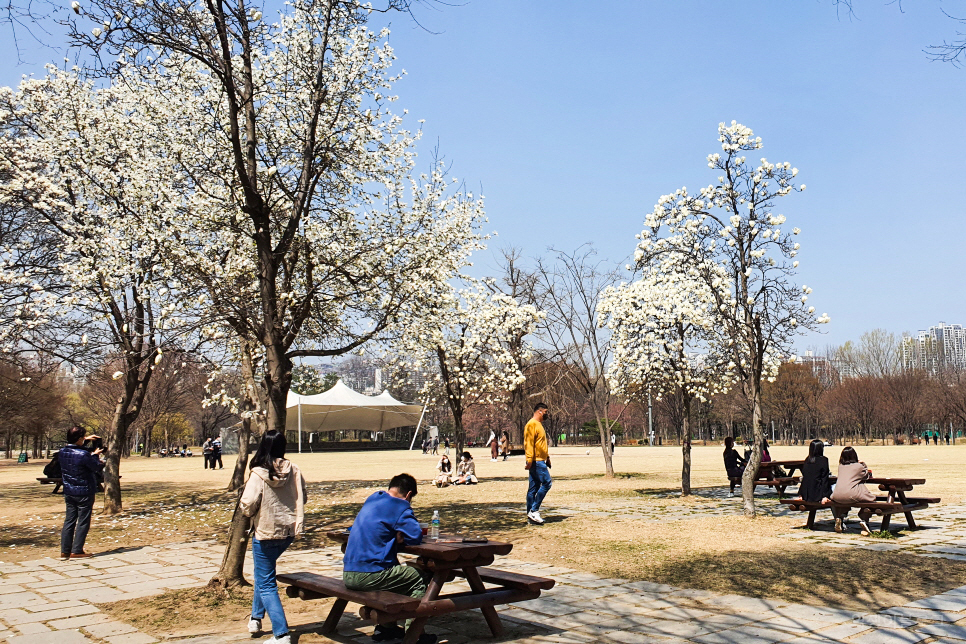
{"x": 434, "y": 526}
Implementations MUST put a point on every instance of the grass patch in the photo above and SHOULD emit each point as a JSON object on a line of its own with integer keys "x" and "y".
{"x": 884, "y": 534}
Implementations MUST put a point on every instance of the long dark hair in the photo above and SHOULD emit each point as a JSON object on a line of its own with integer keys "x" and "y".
{"x": 271, "y": 447}
{"x": 848, "y": 456}
{"x": 816, "y": 449}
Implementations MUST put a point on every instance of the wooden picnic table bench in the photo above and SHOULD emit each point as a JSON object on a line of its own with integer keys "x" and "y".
{"x": 445, "y": 559}
{"x": 895, "y": 502}
{"x": 47, "y": 481}
{"x": 766, "y": 476}
{"x": 59, "y": 482}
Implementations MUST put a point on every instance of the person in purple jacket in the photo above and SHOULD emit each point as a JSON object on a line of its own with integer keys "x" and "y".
{"x": 79, "y": 469}
{"x": 385, "y": 522}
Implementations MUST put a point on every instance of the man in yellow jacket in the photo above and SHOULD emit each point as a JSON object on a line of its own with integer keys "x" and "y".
{"x": 538, "y": 462}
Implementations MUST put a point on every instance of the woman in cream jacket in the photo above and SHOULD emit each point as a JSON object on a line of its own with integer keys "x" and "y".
{"x": 274, "y": 497}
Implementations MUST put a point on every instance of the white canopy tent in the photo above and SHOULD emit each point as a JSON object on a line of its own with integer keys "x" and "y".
{"x": 342, "y": 408}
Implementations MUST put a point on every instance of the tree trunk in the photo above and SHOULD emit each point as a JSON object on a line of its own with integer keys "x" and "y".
{"x": 605, "y": 446}
{"x": 751, "y": 469}
{"x": 233, "y": 563}
{"x": 244, "y": 437}
{"x": 686, "y": 448}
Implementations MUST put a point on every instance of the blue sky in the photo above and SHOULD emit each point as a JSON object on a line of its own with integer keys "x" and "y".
{"x": 573, "y": 121}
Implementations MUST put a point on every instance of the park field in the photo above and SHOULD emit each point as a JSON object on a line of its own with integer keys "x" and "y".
{"x": 634, "y": 526}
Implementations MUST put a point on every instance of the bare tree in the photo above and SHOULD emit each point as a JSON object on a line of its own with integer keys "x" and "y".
{"x": 569, "y": 286}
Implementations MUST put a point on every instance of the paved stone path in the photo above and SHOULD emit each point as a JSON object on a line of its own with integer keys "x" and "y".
{"x": 48, "y": 601}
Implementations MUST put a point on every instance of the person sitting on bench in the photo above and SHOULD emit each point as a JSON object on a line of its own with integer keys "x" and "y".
{"x": 734, "y": 464}
{"x": 385, "y": 521}
{"x": 850, "y": 488}
{"x": 815, "y": 486}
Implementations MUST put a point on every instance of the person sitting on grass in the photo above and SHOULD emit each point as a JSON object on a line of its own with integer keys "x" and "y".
{"x": 466, "y": 471}
{"x": 385, "y": 522}
{"x": 444, "y": 472}
{"x": 815, "y": 486}
{"x": 734, "y": 464}
{"x": 850, "y": 488}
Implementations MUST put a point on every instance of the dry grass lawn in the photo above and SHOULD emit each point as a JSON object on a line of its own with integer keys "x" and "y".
{"x": 170, "y": 500}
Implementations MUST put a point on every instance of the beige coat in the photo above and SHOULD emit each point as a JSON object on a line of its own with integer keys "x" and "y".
{"x": 277, "y": 505}
{"x": 850, "y": 487}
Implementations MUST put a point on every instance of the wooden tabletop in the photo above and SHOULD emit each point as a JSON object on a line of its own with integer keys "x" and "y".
{"x": 785, "y": 463}
{"x": 448, "y": 548}
{"x": 895, "y": 481}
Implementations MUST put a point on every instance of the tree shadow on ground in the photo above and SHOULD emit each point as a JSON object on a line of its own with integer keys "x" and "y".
{"x": 853, "y": 579}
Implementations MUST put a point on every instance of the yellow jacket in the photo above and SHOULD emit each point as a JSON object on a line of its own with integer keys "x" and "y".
{"x": 535, "y": 442}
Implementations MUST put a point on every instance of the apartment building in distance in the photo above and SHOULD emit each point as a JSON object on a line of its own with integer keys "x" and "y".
{"x": 940, "y": 347}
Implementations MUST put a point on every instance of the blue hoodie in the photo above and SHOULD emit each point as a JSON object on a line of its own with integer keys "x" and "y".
{"x": 372, "y": 541}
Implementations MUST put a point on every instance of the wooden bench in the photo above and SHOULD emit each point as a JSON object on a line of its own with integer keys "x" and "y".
{"x": 307, "y": 585}
{"x": 47, "y": 481}
{"x": 512, "y": 579}
{"x": 379, "y": 606}
{"x": 779, "y": 483}
{"x": 58, "y": 483}
{"x": 880, "y": 507}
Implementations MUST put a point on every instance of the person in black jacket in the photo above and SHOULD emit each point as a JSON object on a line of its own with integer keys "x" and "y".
{"x": 80, "y": 469}
{"x": 815, "y": 485}
{"x": 734, "y": 464}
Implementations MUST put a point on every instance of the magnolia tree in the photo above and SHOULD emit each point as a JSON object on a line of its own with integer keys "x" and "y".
{"x": 663, "y": 339}
{"x": 729, "y": 237}
{"x": 309, "y": 231}
{"x": 86, "y": 168}
{"x": 464, "y": 343}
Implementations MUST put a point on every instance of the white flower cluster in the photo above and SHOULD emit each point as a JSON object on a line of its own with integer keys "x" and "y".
{"x": 728, "y": 238}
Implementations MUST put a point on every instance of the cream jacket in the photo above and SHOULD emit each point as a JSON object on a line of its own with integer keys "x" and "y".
{"x": 277, "y": 505}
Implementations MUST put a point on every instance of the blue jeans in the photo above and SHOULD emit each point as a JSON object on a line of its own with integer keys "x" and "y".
{"x": 540, "y": 483}
{"x": 77, "y": 522}
{"x": 265, "y": 554}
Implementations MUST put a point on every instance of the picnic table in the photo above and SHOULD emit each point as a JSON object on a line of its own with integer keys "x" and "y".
{"x": 446, "y": 559}
{"x": 894, "y": 502}
{"x": 766, "y": 475}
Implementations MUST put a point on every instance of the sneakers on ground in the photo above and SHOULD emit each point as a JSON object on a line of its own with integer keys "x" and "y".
{"x": 281, "y": 639}
{"x": 535, "y": 517}
{"x": 254, "y": 626}
{"x": 81, "y": 555}
{"x": 731, "y": 495}
{"x": 838, "y": 524}
{"x": 385, "y": 632}
{"x": 64, "y": 555}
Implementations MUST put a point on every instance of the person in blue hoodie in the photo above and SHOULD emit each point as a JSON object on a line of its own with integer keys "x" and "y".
{"x": 79, "y": 469}
{"x": 385, "y": 522}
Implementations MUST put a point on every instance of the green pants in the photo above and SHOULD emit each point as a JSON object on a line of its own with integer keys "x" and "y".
{"x": 404, "y": 580}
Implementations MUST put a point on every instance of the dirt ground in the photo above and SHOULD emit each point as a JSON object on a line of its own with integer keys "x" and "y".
{"x": 173, "y": 500}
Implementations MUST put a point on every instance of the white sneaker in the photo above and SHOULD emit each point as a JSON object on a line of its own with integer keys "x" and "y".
{"x": 254, "y": 626}
{"x": 731, "y": 495}
{"x": 535, "y": 517}
{"x": 284, "y": 639}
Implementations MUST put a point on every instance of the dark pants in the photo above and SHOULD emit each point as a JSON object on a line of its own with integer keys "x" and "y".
{"x": 208, "y": 461}
{"x": 77, "y": 523}
{"x": 216, "y": 456}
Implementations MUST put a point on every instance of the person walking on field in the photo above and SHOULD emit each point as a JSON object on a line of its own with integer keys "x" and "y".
{"x": 538, "y": 462}
{"x": 79, "y": 469}
{"x": 494, "y": 445}
{"x": 275, "y": 496}
{"x": 206, "y": 452}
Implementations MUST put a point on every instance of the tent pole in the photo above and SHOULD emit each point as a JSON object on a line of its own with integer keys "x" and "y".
{"x": 416, "y": 433}
{"x": 300, "y": 425}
